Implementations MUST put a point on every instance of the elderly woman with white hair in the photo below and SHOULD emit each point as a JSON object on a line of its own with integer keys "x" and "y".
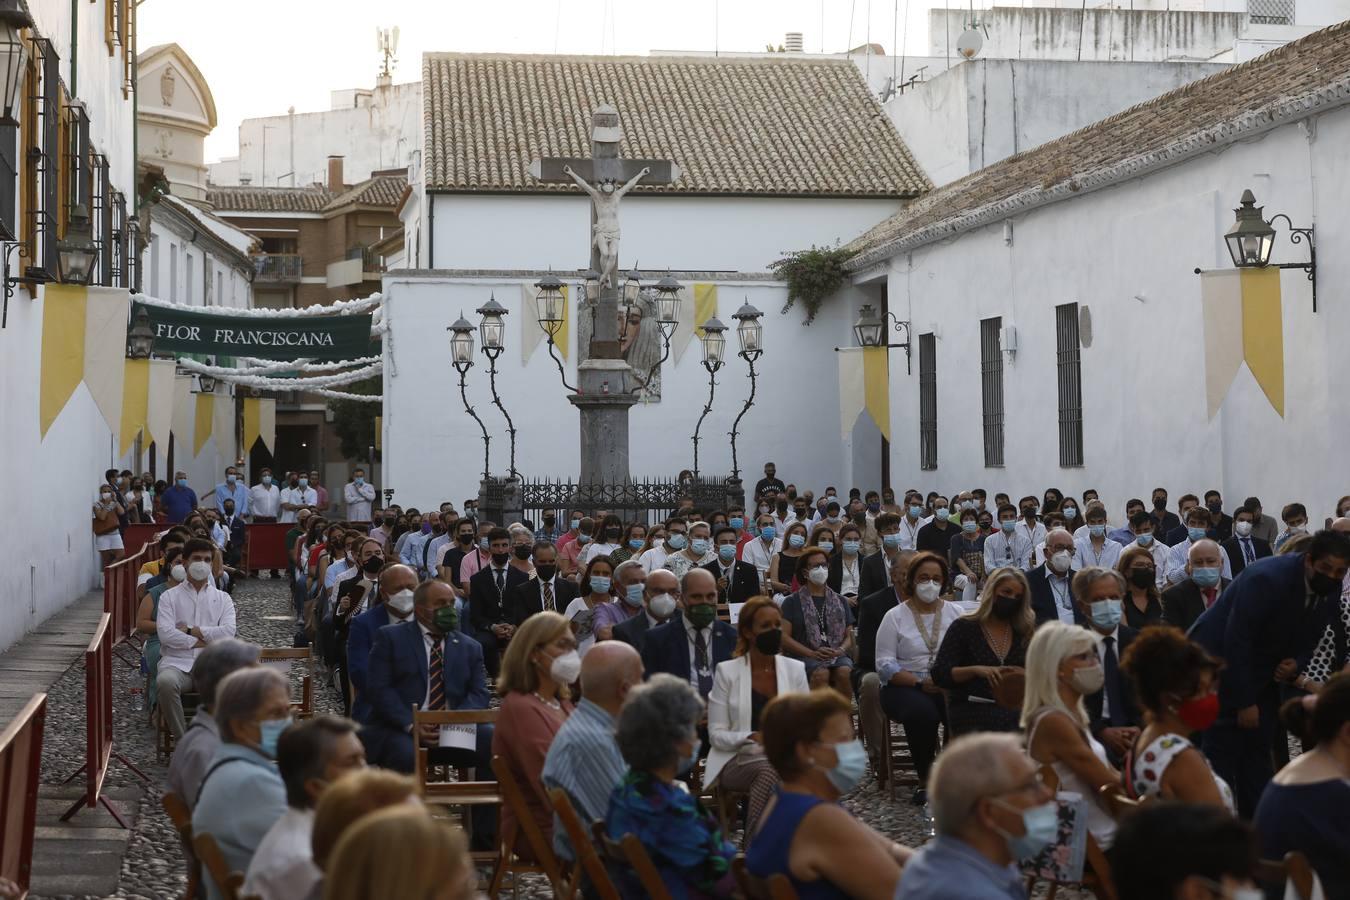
{"x": 1062, "y": 667}
{"x": 242, "y": 794}
{"x": 630, "y": 581}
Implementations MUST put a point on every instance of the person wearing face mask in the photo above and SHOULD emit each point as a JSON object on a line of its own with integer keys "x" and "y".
{"x": 676, "y": 539}
{"x": 936, "y": 536}
{"x": 1187, "y": 503}
{"x": 1143, "y": 603}
{"x": 1295, "y": 518}
{"x": 429, "y": 663}
{"x": 242, "y": 794}
{"x": 1197, "y": 520}
{"x": 1174, "y": 680}
{"x": 232, "y": 488}
{"x": 1051, "y": 582}
{"x": 698, "y": 551}
{"x": 1141, "y": 527}
{"x": 761, "y": 551}
{"x": 783, "y": 569}
{"x": 310, "y": 756}
{"x": 818, "y": 624}
{"x": 1183, "y": 602}
{"x": 875, "y": 572}
{"x": 658, "y": 738}
{"x": 178, "y": 500}
{"x": 573, "y": 529}
{"x": 488, "y": 591}
{"x": 691, "y": 645}
{"x": 806, "y": 834}
{"x": 1010, "y": 545}
{"x": 477, "y": 559}
{"x": 990, "y": 810}
{"x": 147, "y": 614}
{"x": 1244, "y": 547}
{"x": 907, "y": 644}
{"x": 1266, "y": 626}
{"x": 461, "y": 546}
{"x": 295, "y": 495}
{"x": 358, "y": 494}
{"x": 596, "y": 590}
{"x": 570, "y": 555}
{"x": 660, "y": 601}
{"x": 1091, "y": 545}
{"x": 193, "y": 753}
{"x": 354, "y": 595}
{"x": 547, "y": 591}
{"x": 983, "y": 650}
{"x": 1222, "y": 525}
{"x": 264, "y": 498}
{"x": 190, "y": 616}
{"x": 1113, "y": 714}
{"x": 522, "y": 549}
{"x": 392, "y": 603}
{"x": 548, "y": 530}
{"x": 846, "y": 564}
{"x": 108, "y": 511}
{"x": 1063, "y": 667}
{"x": 965, "y": 554}
{"x": 633, "y": 543}
{"x": 629, "y": 587}
{"x": 608, "y": 538}
{"x": 539, "y": 667}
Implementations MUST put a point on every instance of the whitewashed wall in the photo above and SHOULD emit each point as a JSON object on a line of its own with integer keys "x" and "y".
{"x": 433, "y": 450}
{"x": 1128, "y": 253}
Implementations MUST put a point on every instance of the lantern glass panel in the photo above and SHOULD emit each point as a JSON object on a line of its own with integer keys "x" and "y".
{"x": 749, "y": 333}
{"x": 714, "y": 346}
{"x": 13, "y": 57}
{"x": 492, "y": 331}
{"x": 461, "y": 347}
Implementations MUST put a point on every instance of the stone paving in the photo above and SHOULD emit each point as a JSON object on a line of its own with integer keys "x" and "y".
{"x": 152, "y": 867}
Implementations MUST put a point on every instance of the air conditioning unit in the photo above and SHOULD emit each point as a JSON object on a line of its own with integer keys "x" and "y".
{"x": 1010, "y": 340}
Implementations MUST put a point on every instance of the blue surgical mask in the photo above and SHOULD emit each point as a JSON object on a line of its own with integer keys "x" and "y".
{"x": 635, "y": 543}
{"x": 852, "y": 547}
{"x": 687, "y": 764}
{"x": 827, "y": 546}
{"x": 483, "y": 544}
{"x": 915, "y": 512}
{"x": 269, "y": 730}
{"x": 304, "y": 482}
{"x": 182, "y": 482}
{"x": 358, "y": 481}
{"x": 231, "y": 479}
{"x": 576, "y": 523}
{"x": 1070, "y": 512}
{"x": 796, "y": 540}
{"x": 1144, "y": 540}
{"x": 599, "y": 584}
{"x": 1106, "y": 614}
{"x": 633, "y": 595}
{"x": 970, "y": 527}
{"x": 768, "y": 532}
{"x": 1195, "y": 534}
{"x": 583, "y": 539}
{"x": 891, "y": 540}
{"x": 940, "y": 512}
{"x": 1041, "y": 824}
{"x": 1097, "y": 530}
{"x": 726, "y": 552}
{"x": 1204, "y": 576}
{"x": 1008, "y": 527}
{"x": 851, "y": 765}
{"x": 676, "y": 541}
{"x": 699, "y": 546}
{"x": 736, "y": 522}
{"x": 267, "y": 480}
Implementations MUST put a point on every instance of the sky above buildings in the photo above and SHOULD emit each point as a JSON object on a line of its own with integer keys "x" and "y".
{"x": 262, "y": 56}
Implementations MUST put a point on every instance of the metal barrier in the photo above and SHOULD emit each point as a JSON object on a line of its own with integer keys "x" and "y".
{"x": 20, "y": 765}
{"x": 134, "y": 537}
{"x": 265, "y": 544}
{"x": 98, "y": 704}
{"x": 119, "y": 593}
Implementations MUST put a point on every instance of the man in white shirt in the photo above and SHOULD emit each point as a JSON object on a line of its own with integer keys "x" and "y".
{"x": 1197, "y": 527}
{"x": 677, "y": 537}
{"x": 759, "y": 552}
{"x": 1095, "y": 548}
{"x": 190, "y": 617}
{"x": 698, "y": 552}
{"x": 1007, "y": 546}
{"x": 1142, "y": 526}
{"x": 1030, "y": 527}
{"x": 264, "y": 499}
{"x": 911, "y": 522}
{"x": 298, "y": 493}
{"x": 310, "y": 755}
{"x": 358, "y": 496}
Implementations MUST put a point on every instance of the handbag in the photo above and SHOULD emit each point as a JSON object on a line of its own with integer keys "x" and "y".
{"x": 1063, "y": 860}
{"x": 105, "y": 526}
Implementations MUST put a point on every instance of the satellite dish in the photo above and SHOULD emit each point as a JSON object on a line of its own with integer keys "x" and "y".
{"x": 969, "y": 43}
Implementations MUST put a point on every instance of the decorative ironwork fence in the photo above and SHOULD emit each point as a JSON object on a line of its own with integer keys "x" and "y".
{"x": 647, "y": 500}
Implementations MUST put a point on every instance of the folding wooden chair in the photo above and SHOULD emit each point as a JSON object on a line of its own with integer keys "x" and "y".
{"x": 896, "y": 758}
{"x": 282, "y": 658}
{"x": 775, "y": 887}
{"x": 629, "y": 853}
{"x": 1293, "y": 870}
{"x": 461, "y": 792}
{"x": 181, "y": 817}
{"x": 208, "y": 851}
{"x": 587, "y": 858}
{"x": 546, "y": 862}
{"x": 164, "y": 740}
{"x": 1097, "y": 876}
{"x": 727, "y": 805}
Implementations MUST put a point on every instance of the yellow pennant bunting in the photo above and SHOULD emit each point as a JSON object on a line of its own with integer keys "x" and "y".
{"x": 1242, "y": 317}
{"x": 877, "y": 381}
{"x": 63, "y": 329}
{"x": 184, "y": 414}
{"x": 252, "y": 426}
{"x": 705, "y": 306}
{"x": 267, "y": 423}
{"x": 135, "y": 393}
{"x": 1263, "y": 332}
{"x": 201, "y": 426}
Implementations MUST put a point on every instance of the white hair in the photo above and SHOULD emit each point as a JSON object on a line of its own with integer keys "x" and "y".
{"x": 1051, "y": 644}
{"x": 971, "y": 768}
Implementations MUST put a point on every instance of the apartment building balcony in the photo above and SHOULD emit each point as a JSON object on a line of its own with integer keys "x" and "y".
{"x": 277, "y": 268}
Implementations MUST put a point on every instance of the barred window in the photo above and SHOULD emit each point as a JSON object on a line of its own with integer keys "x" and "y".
{"x": 101, "y": 222}
{"x": 1069, "y": 362}
{"x": 42, "y": 175}
{"x": 927, "y": 401}
{"x": 991, "y": 389}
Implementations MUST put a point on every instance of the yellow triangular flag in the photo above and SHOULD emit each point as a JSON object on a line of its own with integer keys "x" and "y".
{"x": 201, "y": 426}
{"x": 267, "y": 423}
{"x": 252, "y": 423}
{"x": 135, "y": 395}
{"x": 1263, "y": 332}
{"x": 877, "y": 385}
{"x": 564, "y": 330}
{"x": 63, "y": 326}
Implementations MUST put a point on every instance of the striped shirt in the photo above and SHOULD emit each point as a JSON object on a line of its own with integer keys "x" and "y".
{"x": 585, "y": 762}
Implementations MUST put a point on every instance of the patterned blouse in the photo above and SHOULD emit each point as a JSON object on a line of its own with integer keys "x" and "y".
{"x": 1144, "y": 773}
{"x": 682, "y": 838}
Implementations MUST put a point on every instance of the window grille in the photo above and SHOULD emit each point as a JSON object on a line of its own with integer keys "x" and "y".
{"x": 991, "y": 388}
{"x": 927, "y": 401}
{"x": 1069, "y": 362}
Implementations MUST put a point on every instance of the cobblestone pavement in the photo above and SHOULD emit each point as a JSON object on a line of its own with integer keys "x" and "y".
{"x": 153, "y": 866}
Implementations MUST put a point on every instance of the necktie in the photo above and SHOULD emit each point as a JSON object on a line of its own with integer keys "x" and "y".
{"x": 1210, "y": 596}
{"x": 1115, "y": 714}
{"x": 436, "y": 675}
{"x": 701, "y": 663}
{"x": 546, "y": 588}
{"x": 501, "y": 577}
{"x": 1247, "y": 553}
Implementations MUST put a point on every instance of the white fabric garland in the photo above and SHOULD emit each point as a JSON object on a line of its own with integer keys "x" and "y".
{"x": 343, "y": 395}
{"x": 339, "y": 307}
{"x": 296, "y": 384}
{"x": 302, "y": 365}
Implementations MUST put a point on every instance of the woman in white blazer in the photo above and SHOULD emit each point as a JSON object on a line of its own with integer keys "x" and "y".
{"x": 742, "y": 686}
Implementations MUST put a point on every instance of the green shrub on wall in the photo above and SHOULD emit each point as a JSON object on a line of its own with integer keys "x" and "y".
{"x": 812, "y": 276}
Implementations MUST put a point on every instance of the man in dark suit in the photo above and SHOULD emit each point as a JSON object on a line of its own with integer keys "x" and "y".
{"x": 488, "y": 589}
{"x": 737, "y": 581}
{"x": 233, "y": 523}
{"x": 1052, "y": 595}
{"x": 545, "y": 591}
{"x": 392, "y": 606}
{"x": 873, "y": 575}
{"x": 1221, "y": 525}
{"x": 660, "y": 601}
{"x": 1244, "y": 547}
{"x": 1113, "y": 716}
{"x": 691, "y": 645}
{"x": 1163, "y": 520}
{"x": 1266, "y": 627}
{"x": 872, "y": 608}
{"x": 1185, "y": 601}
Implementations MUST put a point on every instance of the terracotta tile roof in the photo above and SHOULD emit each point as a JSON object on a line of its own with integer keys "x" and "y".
{"x": 380, "y": 190}
{"x": 1292, "y": 82}
{"x": 248, "y": 198}
{"x": 735, "y": 126}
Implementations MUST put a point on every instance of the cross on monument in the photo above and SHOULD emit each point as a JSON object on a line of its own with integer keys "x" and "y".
{"x": 603, "y": 396}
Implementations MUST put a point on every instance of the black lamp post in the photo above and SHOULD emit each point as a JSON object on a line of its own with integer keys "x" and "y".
{"x": 714, "y": 346}
{"x": 551, "y": 311}
{"x": 140, "y": 337}
{"x": 492, "y": 330}
{"x": 206, "y": 383}
{"x": 667, "y": 295}
{"x": 1251, "y": 238}
{"x": 461, "y": 357}
{"x": 750, "y": 334}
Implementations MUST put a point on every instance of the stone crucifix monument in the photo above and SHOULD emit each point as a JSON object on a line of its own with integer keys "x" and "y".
{"x": 602, "y": 395}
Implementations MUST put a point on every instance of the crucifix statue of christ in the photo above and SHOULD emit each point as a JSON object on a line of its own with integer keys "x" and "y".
{"x": 602, "y": 394}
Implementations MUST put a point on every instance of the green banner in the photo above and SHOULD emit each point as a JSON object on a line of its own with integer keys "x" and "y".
{"x": 327, "y": 338}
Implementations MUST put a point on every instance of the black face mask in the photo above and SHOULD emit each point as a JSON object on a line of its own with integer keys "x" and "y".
{"x": 389, "y": 521}
{"x": 1006, "y": 608}
{"x": 1160, "y": 503}
{"x": 612, "y": 534}
{"x": 522, "y": 552}
{"x": 373, "y": 565}
{"x": 1029, "y": 513}
{"x": 769, "y": 642}
{"x": 1324, "y": 585}
{"x": 549, "y": 522}
{"x": 546, "y": 572}
{"x": 1142, "y": 578}
{"x": 499, "y": 559}
{"x": 466, "y": 539}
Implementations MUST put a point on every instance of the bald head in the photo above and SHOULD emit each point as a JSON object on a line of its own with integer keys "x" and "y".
{"x": 663, "y": 581}
{"x": 1342, "y": 524}
{"x": 608, "y": 671}
{"x": 1058, "y": 539}
{"x": 1204, "y": 554}
{"x": 397, "y": 578}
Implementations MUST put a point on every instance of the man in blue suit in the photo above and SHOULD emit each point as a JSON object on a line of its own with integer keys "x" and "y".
{"x": 692, "y": 644}
{"x": 1265, "y": 626}
{"x": 394, "y": 605}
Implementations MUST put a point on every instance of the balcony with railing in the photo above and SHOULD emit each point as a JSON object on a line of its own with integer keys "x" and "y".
{"x": 278, "y": 268}
{"x": 1270, "y": 12}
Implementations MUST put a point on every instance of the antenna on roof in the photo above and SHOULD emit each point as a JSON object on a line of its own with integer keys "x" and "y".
{"x": 386, "y": 44}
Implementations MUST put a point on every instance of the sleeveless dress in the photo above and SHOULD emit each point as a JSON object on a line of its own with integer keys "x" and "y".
{"x": 771, "y": 846}
{"x": 1144, "y": 770}
{"x": 1099, "y": 822}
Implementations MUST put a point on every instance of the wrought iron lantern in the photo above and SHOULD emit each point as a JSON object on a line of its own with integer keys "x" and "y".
{"x": 632, "y": 288}
{"x": 492, "y": 330}
{"x": 1251, "y": 238}
{"x": 75, "y": 253}
{"x": 714, "y": 342}
{"x": 206, "y": 383}
{"x": 549, "y": 302}
{"x": 461, "y": 342}
{"x": 141, "y": 337}
{"x": 748, "y": 330}
{"x": 868, "y": 327}
{"x": 667, "y": 300}
{"x": 13, "y": 58}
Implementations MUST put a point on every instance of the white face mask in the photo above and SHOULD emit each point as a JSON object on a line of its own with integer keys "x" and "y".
{"x": 818, "y": 575}
{"x": 401, "y": 603}
{"x": 1243, "y": 529}
{"x": 927, "y": 591}
{"x": 199, "y": 570}
{"x": 662, "y": 606}
{"x": 566, "y": 669}
{"x": 1061, "y": 561}
{"x": 177, "y": 573}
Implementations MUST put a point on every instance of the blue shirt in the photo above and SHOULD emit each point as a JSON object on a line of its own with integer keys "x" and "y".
{"x": 1122, "y": 536}
{"x": 239, "y": 494}
{"x": 585, "y": 762}
{"x": 411, "y": 554}
{"x": 240, "y": 800}
{"x": 177, "y": 502}
{"x": 947, "y": 868}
